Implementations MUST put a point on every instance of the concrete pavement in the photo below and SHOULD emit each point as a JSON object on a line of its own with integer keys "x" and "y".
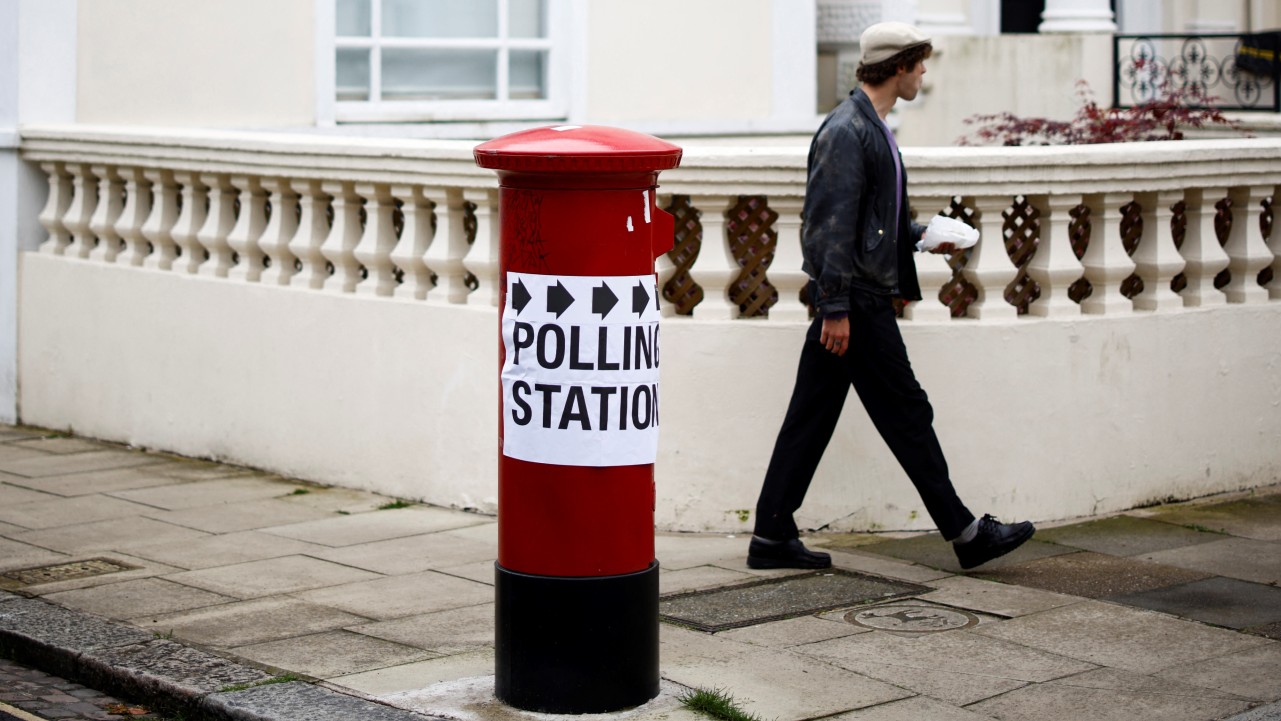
{"x": 233, "y": 593}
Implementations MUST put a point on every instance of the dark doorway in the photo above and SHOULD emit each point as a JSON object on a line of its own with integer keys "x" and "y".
{"x": 1021, "y": 16}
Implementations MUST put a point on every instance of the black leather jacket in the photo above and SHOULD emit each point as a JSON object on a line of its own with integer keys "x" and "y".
{"x": 850, "y": 237}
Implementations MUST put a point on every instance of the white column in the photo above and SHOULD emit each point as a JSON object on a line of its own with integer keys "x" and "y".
{"x": 186, "y": 229}
{"x": 1156, "y": 259}
{"x": 990, "y": 269}
{"x": 279, "y": 232}
{"x": 158, "y": 230}
{"x": 785, "y": 271}
{"x": 715, "y": 267}
{"x": 55, "y": 209}
{"x": 376, "y": 243}
{"x": 244, "y": 236}
{"x": 313, "y": 229}
{"x": 1077, "y": 16}
{"x": 84, "y": 200}
{"x": 415, "y": 238}
{"x": 1205, "y": 257}
{"x": 102, "y": 225}
{"x": 1247, "y": 252}
{"x": 1107, "y": 265}
{"x": 218, "y": 224}
{"x": 1054, "y": 266}
{"x": 340, "y": 245}
{"x": 137, "y": 208}
{"x": 482, "y": 258}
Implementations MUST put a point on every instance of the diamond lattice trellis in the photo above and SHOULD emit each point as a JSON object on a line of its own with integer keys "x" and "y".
{"x": 681, "y": 290}
{"x": 1022, "y": 230}
{"x": 752, "y": 240}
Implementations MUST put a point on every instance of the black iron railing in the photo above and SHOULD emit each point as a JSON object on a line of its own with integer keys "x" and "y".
{"x": 1232, "y": 71}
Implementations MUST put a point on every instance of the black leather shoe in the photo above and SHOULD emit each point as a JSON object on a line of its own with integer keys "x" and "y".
{"x": 995, "y": 539}
{"x": 764, "y": 553}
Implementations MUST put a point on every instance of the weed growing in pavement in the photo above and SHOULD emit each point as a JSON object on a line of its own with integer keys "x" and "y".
{"x": 715, "y": 703}
{"x": 282, "y": 678}
{"x": 166, "y": 636}
{"x": 300, "y": 492}
{"x": 398, "y": 503}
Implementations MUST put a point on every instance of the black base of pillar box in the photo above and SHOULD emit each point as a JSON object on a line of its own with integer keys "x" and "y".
{"x": 576, "y": 645}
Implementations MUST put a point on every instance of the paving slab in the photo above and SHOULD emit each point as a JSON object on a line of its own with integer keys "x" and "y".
{"x": 400, "y": 596}
{"x": 331, "y": 653}
{"x": 1059, "y": 702}
{"x": 419, "y": 674}
{"x": 131, "y": 599}
{"x": 931, "y": 550}
{"x": 335, "y": 500}
{"x": 61, "y": 465}
{"x": 1271, "y": 712}
{"x": 7, "y": 528}
{"x": 912, "y": 709}
{"x": 16, "y": 554}
{"x": 52, "y": 512}
{"x": 116, "y": 534}
{"x": 1220, "y": 601}
{"x": 478, "y": 571}
{"x": 793, "y": 632}
{"x": 12, "y": 454}
{"x": 1267, "y": 630}
{"x": 181, "y": 468}
{"x": 134, "y": 568}
{"x": 84, "y": 484}
{"x": 208, "y": 493}
{"x": 698, "y": 578}
{"x": 1254, "y": 673}
{"x": 248, "y": 622}
{"x": 952, "y": 687}
{"x": 1257, "y": 517}
{"x": 1118, "y": 680}
{"x": 60, "y": 445}
{"x": 676, "y": 551}
{"x": 771, "y": 683}
{"x": 16, "y": 433}
{"x": 1125, "y": 536}
{"x": 1092, "y": 575}
{"x": 297, "y": 700}
{"x": 472, "y": 699}
{"x": 224, "y": 550}
{"x": 272, "y": 576}
{"x": 1242, "y": 558}
{"x": 1106, "y": 634}
{"x": 888, "y": 567}
{"x": 457, "y": 630}
{"x": 11, "y": 495}
{"x": 376, "y": 525}
{"x": 1001, "y": 599}
{"x": 413, "y": 554}
{"x": 240, "y": 516}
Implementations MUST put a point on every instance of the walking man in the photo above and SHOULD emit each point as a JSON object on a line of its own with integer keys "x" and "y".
{"x": 857, "y": 240}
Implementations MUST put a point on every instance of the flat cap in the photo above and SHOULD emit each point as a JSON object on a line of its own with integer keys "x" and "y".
{"x": 882, "y": 41}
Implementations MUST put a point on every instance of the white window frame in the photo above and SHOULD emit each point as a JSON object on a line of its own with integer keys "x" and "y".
{"x": 330, "y": 110}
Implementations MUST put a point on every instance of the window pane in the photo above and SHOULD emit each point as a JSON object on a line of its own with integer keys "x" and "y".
{"x": 353, "y": 18}
{"x": 440, "y": 18}
{"x": 352, "y": 72}
{"x": 525, "y": 19}
{"x": 410, "y": 74}
{"x": 527, "y": 75}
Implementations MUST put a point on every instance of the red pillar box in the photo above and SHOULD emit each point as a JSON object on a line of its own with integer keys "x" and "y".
{"x": 576, "y": 579}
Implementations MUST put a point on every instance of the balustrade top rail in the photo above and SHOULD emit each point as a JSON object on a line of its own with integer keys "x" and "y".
{"x": 1239, "y": 72}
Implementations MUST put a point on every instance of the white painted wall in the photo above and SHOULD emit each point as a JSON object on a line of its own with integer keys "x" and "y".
{"x": 193, "y": 63}
{"x": 1042, "y": 419}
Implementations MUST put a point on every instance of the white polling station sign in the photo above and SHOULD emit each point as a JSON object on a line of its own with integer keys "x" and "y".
{"x": 580, "y": 377}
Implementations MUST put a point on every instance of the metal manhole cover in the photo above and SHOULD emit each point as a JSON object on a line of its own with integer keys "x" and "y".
{"x": 775, "y": 599}
{"x": 65, "y": 571}
{"x": 911, "y": 618}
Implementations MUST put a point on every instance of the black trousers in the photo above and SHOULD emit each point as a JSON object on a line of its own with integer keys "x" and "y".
{"x": 876, "y": 365}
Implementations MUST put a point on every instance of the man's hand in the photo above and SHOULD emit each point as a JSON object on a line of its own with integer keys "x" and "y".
{"x": 944, "y": 248}
{"x": 836, "y": 335}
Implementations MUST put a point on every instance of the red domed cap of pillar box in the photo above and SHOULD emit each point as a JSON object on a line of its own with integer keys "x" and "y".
{"x": 577, "y": 149}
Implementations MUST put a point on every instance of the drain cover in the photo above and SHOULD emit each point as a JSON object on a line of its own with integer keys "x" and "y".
{"x": 65, "y": 571}
{"x": 911, "y": 618}
{"x": 775, "y": 599}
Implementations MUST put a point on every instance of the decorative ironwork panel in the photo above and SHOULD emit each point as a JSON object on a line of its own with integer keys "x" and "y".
{"x": 1131, "y": 234}
{"x": 752, "y": 240}
{"x": 1150, "y": 66}
{"x": 958, "y": 293}
{"x": 1079, "y": 231}
{"x": 681, "y": 290}
{"x": 1022, "y": 229}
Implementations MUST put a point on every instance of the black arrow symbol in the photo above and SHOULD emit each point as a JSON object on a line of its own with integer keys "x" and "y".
{"x": 603, "y": 300}
{"x": 520, "y": 296}
{"x": 640, "y": 298}
{"x": 558, "y": 299}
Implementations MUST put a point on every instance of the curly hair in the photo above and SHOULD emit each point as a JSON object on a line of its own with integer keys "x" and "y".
{"x": 880, "y": 72}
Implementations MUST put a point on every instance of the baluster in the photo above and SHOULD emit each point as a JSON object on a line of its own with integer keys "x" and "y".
{"x": 111, "y": 203}
{"x": 1156, "y": 259}
{"x": 1054, "y": 266}
{"x": 1106, "y": 263}
{"x": 445, "y": 254}
{"x": 279, "y": 232}
{"x": 482, "y": 258}
{"x": 186, "y": 229}
{"x": 132, "y": 218}
{"x": 219, "y": 221}
{"x": 933, "y": 271}
{"x": 785, "y": 271}
{"x": 415, "y": 237}
{"x": 666, "y": 269}
{"x": 1247, "y": 252}
{"x": 1274, "y": 244}
{"x": 159, "y": 226}
{"x": 1201, "y": 249}
{"x": 313, "y": 229}
{"x": 55, "y": 209}
{"x": 716, "y": 267}
{"x": 84, "y": 202}
{"x": 339, "y": 247}
{"x": 376, "y": 243}
{"x": 244, "y": 236}
{"x": 989, "y": 268}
